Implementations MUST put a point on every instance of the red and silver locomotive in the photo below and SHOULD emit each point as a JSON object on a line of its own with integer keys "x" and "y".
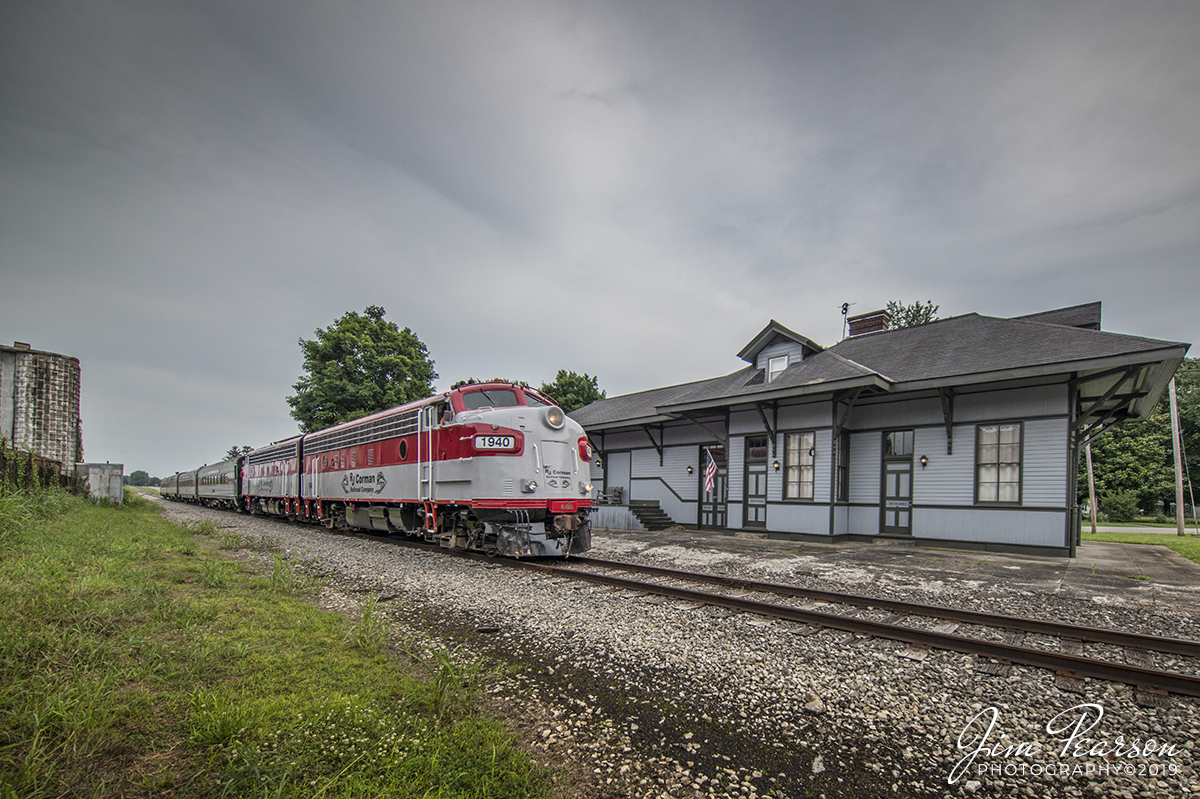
{"x": 494, "y": 467}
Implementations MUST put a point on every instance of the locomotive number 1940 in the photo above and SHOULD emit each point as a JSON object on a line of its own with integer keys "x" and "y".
{"x": 494, "y": 442}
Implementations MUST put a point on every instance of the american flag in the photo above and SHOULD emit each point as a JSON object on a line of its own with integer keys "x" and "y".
{"x": 710, "y": 472}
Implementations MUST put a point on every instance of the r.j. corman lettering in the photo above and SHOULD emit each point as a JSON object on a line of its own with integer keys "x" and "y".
{"x": 355, "y": 483}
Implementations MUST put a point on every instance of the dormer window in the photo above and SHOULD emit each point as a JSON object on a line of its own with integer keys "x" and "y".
{"x": 775, "y": 367}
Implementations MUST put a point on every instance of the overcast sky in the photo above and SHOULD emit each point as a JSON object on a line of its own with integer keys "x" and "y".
{"x": 631, "y": 190}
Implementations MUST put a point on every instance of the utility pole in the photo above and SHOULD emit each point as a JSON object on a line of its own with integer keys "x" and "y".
{"x": 1087, "y": 449}
{"x": 1178, "y": 447}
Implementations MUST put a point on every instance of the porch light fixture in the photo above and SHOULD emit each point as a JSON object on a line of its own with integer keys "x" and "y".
{"x": 776, "y": 465}
{"x": 924, "y": 461}
{"x": 599, "y": 463}
{"x": 690, "y": 470}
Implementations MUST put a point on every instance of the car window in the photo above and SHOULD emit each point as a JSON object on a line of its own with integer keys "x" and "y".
{"x": 489, "y": 398}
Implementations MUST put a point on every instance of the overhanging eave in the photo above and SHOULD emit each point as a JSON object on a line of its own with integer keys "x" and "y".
{"x": 1065, "y": 368}
{"x": 807, "y": 390}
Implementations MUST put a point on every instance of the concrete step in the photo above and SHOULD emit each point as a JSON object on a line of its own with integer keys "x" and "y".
{"x": 650, "y": 514}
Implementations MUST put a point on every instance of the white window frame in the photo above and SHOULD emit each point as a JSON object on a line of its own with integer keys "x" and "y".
{"x": 775, "y": 366}
{"x": 799, "y": 466}
{"x": 999, "y": 472}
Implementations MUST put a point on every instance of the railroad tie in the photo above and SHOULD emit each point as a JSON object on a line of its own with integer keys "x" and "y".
{"x": 1143, "y": 695}
{"x": 1065, "y": 680}
{"x": 999, "y": 667}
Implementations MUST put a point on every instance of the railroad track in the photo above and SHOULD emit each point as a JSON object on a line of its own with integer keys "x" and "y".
{"x": 821, "y": 612}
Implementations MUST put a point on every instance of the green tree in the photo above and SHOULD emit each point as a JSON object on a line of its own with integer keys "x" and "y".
{"x": 235, "y": 451}
{"x": 359, "y": 365}
{"x": 139, "y": 478}
{"x": 911, "y": 315}
{"x": 573, "y": 391}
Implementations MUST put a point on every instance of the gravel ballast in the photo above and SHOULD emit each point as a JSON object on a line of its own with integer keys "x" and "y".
{"x": 635, "y": 696}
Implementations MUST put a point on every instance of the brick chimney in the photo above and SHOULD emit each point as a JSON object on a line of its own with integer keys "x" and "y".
{"x": 871, "y": 322}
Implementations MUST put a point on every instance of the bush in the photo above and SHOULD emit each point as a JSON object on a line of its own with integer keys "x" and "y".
{"x": 1121, "y": 507}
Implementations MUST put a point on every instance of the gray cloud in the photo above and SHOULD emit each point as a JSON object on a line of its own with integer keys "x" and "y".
{"x": 626, "y": 189}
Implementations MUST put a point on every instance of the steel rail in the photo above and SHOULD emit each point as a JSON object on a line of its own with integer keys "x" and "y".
{"x": 1070, "y": 665}
{"x": 1174, "y": 646}
{"x": 1061, "y": 663}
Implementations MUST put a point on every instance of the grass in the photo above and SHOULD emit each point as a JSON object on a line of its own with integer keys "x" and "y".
{"x": 1146, "y": 521}
{"x": 136, "y": 660}
{"x": 1186, "y": 545}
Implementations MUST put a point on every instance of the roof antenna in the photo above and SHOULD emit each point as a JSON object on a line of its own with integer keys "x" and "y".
{"x": 845, "y": 312}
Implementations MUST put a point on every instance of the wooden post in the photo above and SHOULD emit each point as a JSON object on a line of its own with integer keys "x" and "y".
{"x": 1176, "y": 445}
{"x": 1087, "y": 450}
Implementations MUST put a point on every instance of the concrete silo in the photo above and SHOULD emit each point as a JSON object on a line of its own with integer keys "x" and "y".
{"x": 39, "y": 403}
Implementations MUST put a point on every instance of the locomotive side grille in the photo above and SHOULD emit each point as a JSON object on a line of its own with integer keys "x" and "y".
{"x": 277, "y": 452}
{"x": 510, "y": 487}
{"x": 390, "y": 427}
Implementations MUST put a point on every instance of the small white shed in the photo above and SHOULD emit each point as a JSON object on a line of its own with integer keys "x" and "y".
{"x": 103, "y": 480}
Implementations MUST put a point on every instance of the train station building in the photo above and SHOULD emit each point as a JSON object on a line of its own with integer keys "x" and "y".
{"x": 961, "y": 432}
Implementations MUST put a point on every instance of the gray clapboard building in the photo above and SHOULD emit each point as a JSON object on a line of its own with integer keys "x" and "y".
{"x": 965, "y": 432}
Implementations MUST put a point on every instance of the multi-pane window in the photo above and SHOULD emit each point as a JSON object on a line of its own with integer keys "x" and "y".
{"x": 798, "y": 471}
{"x": 998, "y": 463}
{"x": 775, "y": 366}
{"x": 898, "y": 443}
{"x": 843, "y": 468}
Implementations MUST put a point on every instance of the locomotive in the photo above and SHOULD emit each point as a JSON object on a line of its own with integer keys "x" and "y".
{"x": 495, "y": 467}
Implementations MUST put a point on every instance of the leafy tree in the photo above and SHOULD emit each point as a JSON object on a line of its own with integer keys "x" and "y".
{"x": 1138, "y": 458}
{"x": 139, "y": 478}
{"x": 911, "y": 315}
{"x": 235, "y": 451}
{"x": 573, "y": 391}
{"x": 359, "y": 365}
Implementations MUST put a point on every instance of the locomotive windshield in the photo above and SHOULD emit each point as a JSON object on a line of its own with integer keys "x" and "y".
{"x": 489, "y": 398}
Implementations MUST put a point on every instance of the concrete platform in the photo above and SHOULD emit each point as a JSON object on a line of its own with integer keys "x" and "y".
{"x": 1133, "y": 574}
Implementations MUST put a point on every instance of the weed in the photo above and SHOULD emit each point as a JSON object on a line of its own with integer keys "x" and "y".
{"x": 284, "y": 576}
{"x": 1138, "y": 577}
{"x": 231, "y": 541}
{"x": 216, "y": 573}
{"x": 16, "y": 510}
{"x": 369, "y": 631}
{"x": 217, "y": 719}
{"x": 205, "y": 527}
{"x": 451, "y": 683}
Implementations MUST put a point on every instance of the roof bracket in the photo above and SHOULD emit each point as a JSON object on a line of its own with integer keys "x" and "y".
{"x": 597, "y": 451}
{"x": 758, "y": 406}
{"x": 657, "y": 444}
{"x": 851, "y": 398}
{"x": 717, "y": 436}
{"x": 947, "y": 395}
{"x": 1096, "y": 406}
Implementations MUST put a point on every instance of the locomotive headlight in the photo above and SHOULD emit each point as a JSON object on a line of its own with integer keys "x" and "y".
{"x": 553, "y": 417}
{"x": 585, "y": 488}
{"x": 528, "y": 486}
